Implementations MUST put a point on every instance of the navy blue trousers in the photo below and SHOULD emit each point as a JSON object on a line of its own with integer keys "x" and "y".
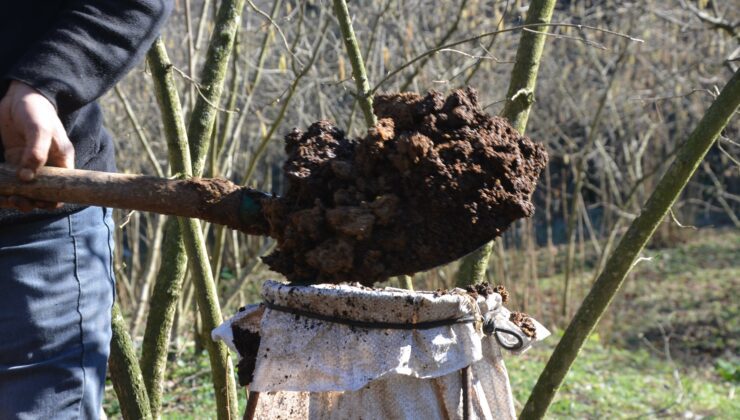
{"x": 56, "y": 294}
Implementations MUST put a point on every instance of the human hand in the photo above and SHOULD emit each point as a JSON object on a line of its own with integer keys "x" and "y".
{"x": 32, "y": 135}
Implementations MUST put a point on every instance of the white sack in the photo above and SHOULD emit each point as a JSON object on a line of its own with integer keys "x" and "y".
{"x": 316, "y": 369}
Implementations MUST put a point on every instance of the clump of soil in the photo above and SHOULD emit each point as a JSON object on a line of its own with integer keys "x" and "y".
{"x": 501, "y": 290}
{"x": 524, "y": 322}
{"x": 435, "y": 179}
{"x": 484, "y": 289}
{"x": 481, "y": 289}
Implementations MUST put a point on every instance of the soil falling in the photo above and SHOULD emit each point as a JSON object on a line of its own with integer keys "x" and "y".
{"x": 435, "y": 179}
{"x": 525, "y": 323}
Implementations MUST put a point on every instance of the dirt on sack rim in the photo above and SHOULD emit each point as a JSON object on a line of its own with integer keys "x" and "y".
{"x": 524, "y": 322}
{"x": 484, "y": 289}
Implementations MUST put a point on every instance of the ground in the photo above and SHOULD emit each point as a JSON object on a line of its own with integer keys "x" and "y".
{"x": 616, "y": 383}
{"x": 668, "y": 348}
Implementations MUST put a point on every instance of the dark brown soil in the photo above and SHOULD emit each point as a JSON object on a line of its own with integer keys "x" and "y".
{"x": 247, "y": 343}
{"x": 484, "y": 289}
{"x": 501, "y": 290}
{"x": 481, "y": 289}
{"x": 524, "y": 322}
{"x": 435, "y": 179}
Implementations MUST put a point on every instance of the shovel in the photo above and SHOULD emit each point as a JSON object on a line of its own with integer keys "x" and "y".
{"x": 434, "y": 180}
{"x": 214, "y": 200}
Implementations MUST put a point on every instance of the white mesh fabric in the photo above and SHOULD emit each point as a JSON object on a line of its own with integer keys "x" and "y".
{"x": 327, "y": 370}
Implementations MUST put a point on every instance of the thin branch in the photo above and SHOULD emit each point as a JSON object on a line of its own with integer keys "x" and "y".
{"x": 726, "y": 153}
{"x": 278, "y": 120}
{"x": 679, "y": 224}
{"x": 720, "y": 196}
{"x": 141, "y": 135}
{"x": 574, "y": 38}
{"x": 272, "y": 22}
{"x": 368, "y": 49}
{"x": 476, "y": 66}
{"x": 664, "y": 98}
{"x": 492, "y": 33}
{"x": 364, "y": 95}
{"x": 442, "y": 41}
{"x": 250, "y": 85}
{"x": 717, "y": 22}
{"x": 198, "y": 88}
{"x": 477, "y": 57}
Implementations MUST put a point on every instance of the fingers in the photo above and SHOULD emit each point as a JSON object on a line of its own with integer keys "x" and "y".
{"x": 44, "y": 146}
{"x": 36, "y": 151}
{"x": 32, "y": 133}
{"x": 61, "y": 153}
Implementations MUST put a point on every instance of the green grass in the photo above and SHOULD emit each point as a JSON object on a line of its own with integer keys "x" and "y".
{"x": 188, "y": 392}
{"x": 684, "y": 301}
{"x": 609, "y": 382}
{"x": 690, "y": 295}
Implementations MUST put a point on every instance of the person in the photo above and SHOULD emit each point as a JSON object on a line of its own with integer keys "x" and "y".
{"x": 56, "y": 280}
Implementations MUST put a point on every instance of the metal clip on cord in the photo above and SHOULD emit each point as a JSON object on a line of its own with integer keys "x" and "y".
{"x": 490, "y": 328}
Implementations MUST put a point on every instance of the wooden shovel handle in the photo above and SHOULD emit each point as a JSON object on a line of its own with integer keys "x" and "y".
{"x": 214, "y": 200}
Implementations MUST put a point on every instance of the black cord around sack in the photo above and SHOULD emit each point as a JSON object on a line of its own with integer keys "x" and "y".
{"x": 489, "y": 327}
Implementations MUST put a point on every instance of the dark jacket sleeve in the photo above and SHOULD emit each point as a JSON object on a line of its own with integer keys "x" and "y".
{"x": 89, "y": 48}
